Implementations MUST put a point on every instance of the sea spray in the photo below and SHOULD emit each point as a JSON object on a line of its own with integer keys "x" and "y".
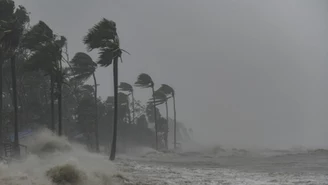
{"x": 50, "y": 153}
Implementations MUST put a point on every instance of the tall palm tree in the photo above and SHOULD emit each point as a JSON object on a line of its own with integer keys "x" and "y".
{"x": 145, "y": 81}
{"x": 83, "y": 67}
{"x": 36, "y": 40}
{"x": 103, "y": 36}
{"x": 6, "y": 44}
{"x": 14, "y": 21}
{"x": 59, "y": 44}
{"x": 169, "y": 91}
{"x": 126, "y": 87}
{"x": 46, "y": 55}
{"x": 161, "y": 98}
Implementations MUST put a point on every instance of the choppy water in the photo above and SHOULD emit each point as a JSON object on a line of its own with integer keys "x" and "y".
{"x": 197, "y": 169}
{"x": 149, "y": 167}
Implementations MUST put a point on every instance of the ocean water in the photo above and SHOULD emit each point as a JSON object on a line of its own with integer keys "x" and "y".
{"x": 145, "y": 166}
{"x": 229, "y": 168}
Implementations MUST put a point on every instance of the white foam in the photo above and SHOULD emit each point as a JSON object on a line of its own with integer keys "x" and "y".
{"x": 32, "y": 170}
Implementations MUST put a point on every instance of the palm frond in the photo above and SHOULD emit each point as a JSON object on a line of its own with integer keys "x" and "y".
{"x": 106, "y": 57}
{"x": 144, "y": 81}
{"x": 7, "y": 8}
{"x": 109, "y": 53}
{"x": 100, "y": 34}
{"x": 12, "y": 25}
{"x": 125, "y": 87}
{"x": 160, "y": 98}
{"x": 167, "y": 90}
{"x": 82, "y": 66}
{"x": 40, "y": 60}
{"x": 61, "y": 41}
{"x": 22, "y": 15}
{"x": 38, "y": 36}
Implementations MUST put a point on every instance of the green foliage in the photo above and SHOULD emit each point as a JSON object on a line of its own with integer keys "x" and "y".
{"x": 160, "y": 98}
{"x": 82, "y": 66}
{"x": 125, "y": 87}
{"x": 45, "y": 59}
{"x": 150, "y": 112}
{"x": 12, "y": 22}
{"x": 167, "y": 90}
{"x": 38, "y": 36}
{"x": 46, "y": 50}
{"x": 101, "y": 35}
{"x": 7, "y": 8}
{"x": 144, "y": 81}
{"x": 85, "y": 114}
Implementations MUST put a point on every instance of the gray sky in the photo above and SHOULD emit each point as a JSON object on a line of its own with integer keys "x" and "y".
{"x": 245, "y": 72}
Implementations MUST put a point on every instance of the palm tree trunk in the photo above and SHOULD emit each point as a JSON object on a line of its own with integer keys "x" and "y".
{"x": 1, "y": 128}
{"x": 60, "y": 126}
{"x": 96, "y": 118}
{"x": 167, "y": 126}
{"x": 133, "y": 108}
{"x": 52, "y": 103}
{"x": 155, "y": 117}
{"x": 60, "y": 97}
{"x": 13, "y": 76}
{"x": 175, "y": 124}
{"x": 129, "y": 111}
{"x": 115, "y": 75}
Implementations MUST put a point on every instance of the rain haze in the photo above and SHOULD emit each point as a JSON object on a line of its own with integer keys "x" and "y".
{"x": 208, "y": 92}
{"x": 246, "y": 73}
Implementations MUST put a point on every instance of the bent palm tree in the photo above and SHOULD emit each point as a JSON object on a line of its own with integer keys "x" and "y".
{"x": 39, "y": 40}
{"x": 161, "y": 98}
{"x": 128, "y": 88}
{"x": 169, "y": 91}
{"x": 103, "y": 36}
{"x": 145, "y": 81}
{"x": 11, "y": 30}
{"x": 83, "y": 67}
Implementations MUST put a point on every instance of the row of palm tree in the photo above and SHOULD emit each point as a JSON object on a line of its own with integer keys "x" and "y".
{"x": 159, "y": 97}
{"x": 43, "y": 51}
{"x": 103, "y": 36}
{"x": 13, "y": 21}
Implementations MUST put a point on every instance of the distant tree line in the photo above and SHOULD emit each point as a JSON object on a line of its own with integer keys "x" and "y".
{"x": 42, "y": 86}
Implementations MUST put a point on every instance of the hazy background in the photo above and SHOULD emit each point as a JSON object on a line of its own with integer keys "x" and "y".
{"x": 245, "y": 72}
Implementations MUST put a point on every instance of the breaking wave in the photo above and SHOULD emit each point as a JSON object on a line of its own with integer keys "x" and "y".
{"x": 55, "y": 161}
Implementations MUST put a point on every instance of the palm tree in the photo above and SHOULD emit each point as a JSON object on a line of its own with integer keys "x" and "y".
{"x": 145, "y": 81}
{"x": 36, "y": 40}
{"x": 14, "y": 21}
{"x": 169, "y": 91}
{"x": 103, "y": 36}
{"x": 59, "y": 44}
{"x": 161, "y": 98}
{"x": 128, "y": 88}
{"x": 83, "y": 67}
{"x": 46, "y": 55}
{"x": 7, "y": 43}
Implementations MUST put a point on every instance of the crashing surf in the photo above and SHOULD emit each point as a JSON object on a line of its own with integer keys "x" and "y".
{"x": 54, "y": 160}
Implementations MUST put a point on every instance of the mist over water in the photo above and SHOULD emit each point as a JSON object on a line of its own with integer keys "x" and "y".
{"x": 48, "y": 151}
{"x": 250, "y": 78}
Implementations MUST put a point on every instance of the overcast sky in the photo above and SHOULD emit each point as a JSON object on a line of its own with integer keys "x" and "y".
{"x": 245, "y": 72}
